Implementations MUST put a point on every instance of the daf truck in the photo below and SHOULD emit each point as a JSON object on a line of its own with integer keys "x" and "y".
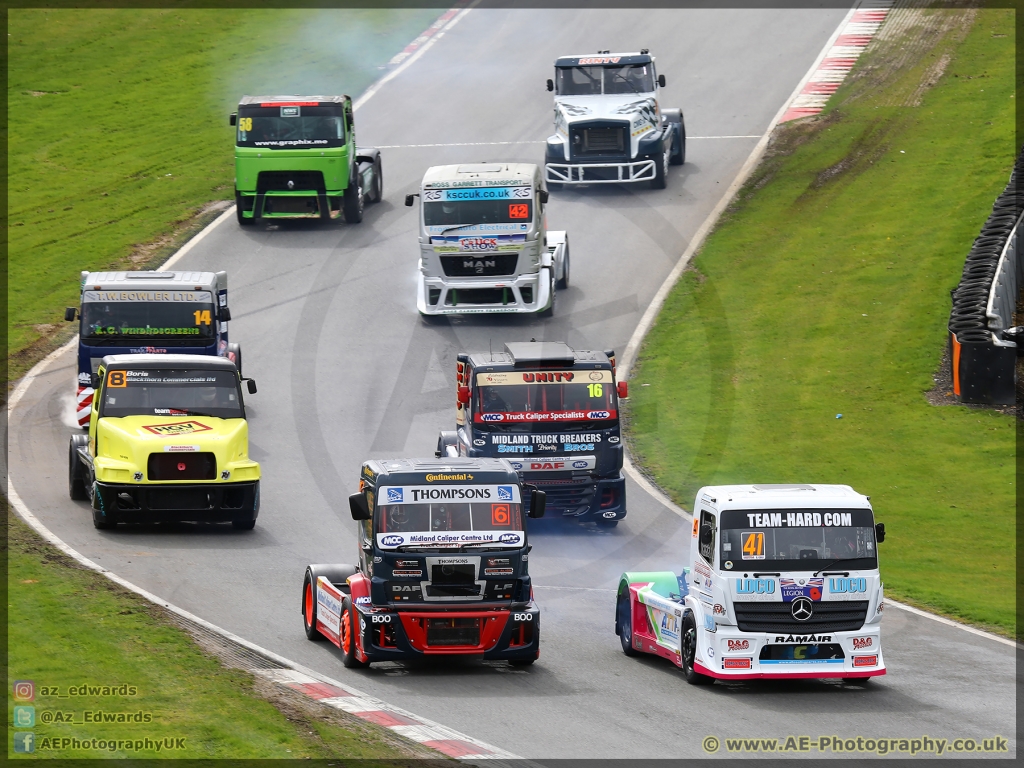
{"x": 484, "y": 242}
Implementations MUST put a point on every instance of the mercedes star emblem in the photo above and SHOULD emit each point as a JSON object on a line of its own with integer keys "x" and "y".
{"x": 802, "y": 608}
{"x": 291, "y": 184}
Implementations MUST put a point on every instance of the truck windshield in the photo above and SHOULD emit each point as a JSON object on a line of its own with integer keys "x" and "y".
{"x": 167, "y": 392}
{"x": 295, "y": 127}
{"x": 479, "y": 205}
{"x": 592, "y": 81}
{"x": 441, "y": 516}
{"x": 798, "y": 539}
{"x": 119, "y": 322}
{"x": 506, "y": 398}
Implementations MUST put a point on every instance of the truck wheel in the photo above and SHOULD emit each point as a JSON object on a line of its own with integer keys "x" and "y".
{"x": 309, "y": 609}
{"x": 238, "y": 212}
{"x": 625, "y": 616}
{"x": 378, "y": 181}
{"x": 678, "y": 158}
{"x": 564, "y": 282}
{"x": 352, "y": 202}
{"x": 661, "y": 170}
{"x": 236, "y": 350}
{"x": 76, "y": 474}
{"x": 688, "y": 649}
{"x": 521, "y": 662}
{"x": 349, "y": 627}
{"x": 550, "y": 311}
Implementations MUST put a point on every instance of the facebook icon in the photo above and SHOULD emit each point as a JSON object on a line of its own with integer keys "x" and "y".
{"x": 24, "y": 742}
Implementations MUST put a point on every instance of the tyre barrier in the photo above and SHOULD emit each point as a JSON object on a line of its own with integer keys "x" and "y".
{"x": 983, "y": 345}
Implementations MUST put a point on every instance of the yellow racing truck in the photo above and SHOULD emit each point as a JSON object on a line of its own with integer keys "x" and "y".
{"x": 168, "y": 442}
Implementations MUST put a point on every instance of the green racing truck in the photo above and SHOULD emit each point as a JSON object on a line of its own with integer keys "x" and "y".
{"x": 296, "y": 157}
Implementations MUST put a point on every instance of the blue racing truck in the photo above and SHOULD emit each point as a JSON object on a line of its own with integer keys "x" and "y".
{"x": 553, "y": 412}
{"x": 148, "y": 312}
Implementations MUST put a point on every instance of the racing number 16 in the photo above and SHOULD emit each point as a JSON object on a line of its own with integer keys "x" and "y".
{"x": 202, "y": 317}
{"x": 596, "y": 390}
{"x": 753, "y": 546}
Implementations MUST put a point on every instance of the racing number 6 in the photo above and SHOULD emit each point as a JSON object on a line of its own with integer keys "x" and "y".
{"x": 500, "y": 514}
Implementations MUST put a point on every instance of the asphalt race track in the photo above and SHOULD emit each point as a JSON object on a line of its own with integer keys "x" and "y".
{"x": 347, "y": 371}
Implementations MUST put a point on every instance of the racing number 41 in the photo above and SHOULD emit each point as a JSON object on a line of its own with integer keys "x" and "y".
{"x": 203, "y": 317}
{"x": 753, "y": 546}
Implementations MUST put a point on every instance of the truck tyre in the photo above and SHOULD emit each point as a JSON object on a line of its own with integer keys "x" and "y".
{"x": 76, "y": 472}
{"x": 675, "y": 118}
{"x": 564, "y": 282}
{"x": 688, "y": 643}
{"x": 101, "y": 522}
{"x": 352, "y": 202}
{"x": 236, "y": 350}
{"x": 521, "y": 662}
{"x": 243, "y": 525}
{"x": 309, "y": 608}
{"x": 661, "y": 170}
{"x": 550, "y": 310}
{"x": 238, "y": 211}
{"x": 349, "y": 626}
{"x": 378, "y": 181}
{"x": 625, "y": 622}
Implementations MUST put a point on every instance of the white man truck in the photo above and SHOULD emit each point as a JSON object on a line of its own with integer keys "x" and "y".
{"x": 784, "y": 583}
{"x": 609, "y": 125}
{"x": 484, "y": 242}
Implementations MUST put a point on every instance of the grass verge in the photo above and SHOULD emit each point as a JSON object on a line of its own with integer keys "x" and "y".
{"x": 71, "y": 627}
{"x": 118, "y": 131}
{"x": 824, "y": 291}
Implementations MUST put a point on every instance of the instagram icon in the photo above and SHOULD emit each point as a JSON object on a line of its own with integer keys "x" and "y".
{"x": 24, "y": 690}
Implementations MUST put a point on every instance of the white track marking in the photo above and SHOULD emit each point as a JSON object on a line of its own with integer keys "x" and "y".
{"x": 524, "y": 143}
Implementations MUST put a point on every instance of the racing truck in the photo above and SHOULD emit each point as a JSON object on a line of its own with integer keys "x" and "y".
{"x": 443, "y": 566}
{"x": 609, "y": 126}
{"x": 784, "y": 583}
{"x": 296, "y": 157}
{"x": 148, "y": 313}
{"x": 553, "y": 412}
{"x": 484, "y": 241}
{"x": 167, "y": 442}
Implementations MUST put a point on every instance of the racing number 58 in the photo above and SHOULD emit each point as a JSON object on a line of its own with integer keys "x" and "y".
{"x": 753, "y": 546}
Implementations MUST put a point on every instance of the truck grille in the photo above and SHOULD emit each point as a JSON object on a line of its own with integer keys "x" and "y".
{"x": 277, "y": 181}
{"x": 603, "y": 141}
{"x": 179, "y": 498}
{"x": 479, "y": 264}
{"x": 453, "y": 581}
{"x": 453, "y": 631}
{"x": 567, "y": 497}
{"x": 460, "y": 296}
{"x": 837, "y": 616}
{"x": 182, "y": 466}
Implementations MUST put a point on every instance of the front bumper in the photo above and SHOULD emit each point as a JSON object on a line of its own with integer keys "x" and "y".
{"x": 503, "y": 633}
{"x": 728, "y": 654}
{"x": 600, "y": 173}
{"x": 585, "y": 498}
{"x": 297, "y": 204}
{"x": 528, "y": 293}
{"x": 178, "y": 502}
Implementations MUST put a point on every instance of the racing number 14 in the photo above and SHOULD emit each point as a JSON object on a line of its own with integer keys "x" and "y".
{"x": 203, "y": 317}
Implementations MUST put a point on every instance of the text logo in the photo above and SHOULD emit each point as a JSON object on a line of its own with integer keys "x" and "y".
{"x": 598, "y": 415}
{"x": 522, "y": 617}
{"x": 580, "y": 464}
{"x": 24, "y": 742}
{"x": 395, "y": 496}
{"x": 739, "y": 645}
{"x": 509, "y": 538}
{"x": 709, "y": 623}
{"x": 24, "y": 717}
{"x": 177, "y": 428}
{"x": 802, "y": 608}
{"x": 392, "y": 541}
{"x": 755, "y": 586}
{"x": 847, "y": 585}
{"x": 491, "y": 416}
{"x": 862, "y": 642}
{"x": 24, "y": 690}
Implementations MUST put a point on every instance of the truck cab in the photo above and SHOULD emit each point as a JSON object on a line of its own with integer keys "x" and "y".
{"x": 553, "y": 412}
{"x": 484, "y": 242}
{"x": 610, "y": 127}
{"x": 296, "y": 157}
{"x": 148, "y": 312}
{"x": 168, "y": 441}
{"x": 443, "y": 566}
{"x": 783, "y": 583}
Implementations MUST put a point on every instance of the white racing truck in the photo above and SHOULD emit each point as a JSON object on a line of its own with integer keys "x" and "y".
{"x": 784, "y": 583}
{"x": 609, "y": 126}
{"x": 484, "y": 242}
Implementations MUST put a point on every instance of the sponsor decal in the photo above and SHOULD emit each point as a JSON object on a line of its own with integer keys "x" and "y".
{"x": 479, "y": 193}
{"x": 463, "y": 183}
{"x": 841, "y": 586}
{"x": 860, "y": 643}
{"x": 225, "y": 474}
{"x": 418, "y": 494}
{"x": 169, "y": 412}
{"x": 363, "y": 600}
{"x": 181, "y": 448}
{"x": 532, "y": 417}
{"x": 490, "y": 417}
{"x": 511, "y": 227}
{"x": 499, "y": 572}
{"x": 498, "y": 561}
{"x": 515, "y": 449}
{"x": 669, "y": 626}
{"x": 794, "y": 588}
{"x": 510, "y": 378}
{"x": 436, "y": 477}
{"x": 448, "y": 538}
{"x": 545, "y": 441}
{"x": 328, "y": 607}
{"x": 148, "y": 296}
{"x": 406, "y": 574}
{"x": 394, "y": 495}
{"x": 510, "y": 538}
{"x": 392, "y": 540}
{"x": 790, "y": 639}
{"x": 755, "y": 586}
{"x": 147, "y": 350}
{"x": 527, "y": 617}
{"x": 599, "y": 414}
{"x": 719, "y": 610}
{"x": 599, "y": 60}
{"x": 865, "y": 661}
{"x": 177, "y": 428}
{"x": 555, "y": 464}
{"x": 138, "y": 477}
{"x": 799, "y": 519}
{"x": 736, "y": 664}
{"x": 505, "y": 493}
{"x": 709, "y": 623}
{"x": 739, "y": 645}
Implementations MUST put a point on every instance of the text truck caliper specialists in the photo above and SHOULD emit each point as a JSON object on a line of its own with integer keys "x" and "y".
{"x": 484, "y": 243}
{"x": 443, "y": 566}
{"x": 296, "y": 156}
{"x": 784, "y": 584}
{"x": 609, "y": 125}
{"x": 553, "y": 412}
{"x": 168, "y": 441}
{"x": 148, "y": 313}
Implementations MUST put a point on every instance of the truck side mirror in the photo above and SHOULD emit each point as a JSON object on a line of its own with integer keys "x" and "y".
{"x": 69, "y": 313}
{"x": 232, "y": 118}
{"x": 661, "y": 80}
{"x": 623, "y": 389}
{"x": 224, "y": 314}
{"x": 95, "y": 381}
{"x": 463, "y": 395}
{"x": 543, "y": 197}
{"x": 707, "y": 535}
{"x": 358, "y": 506}
{"x": 538, "y": 502}
{"x": 879, "y": 532}
{"x": 551, "y": 85}
{"x": 250, "y": 385}
{"x": 409, "y": 199}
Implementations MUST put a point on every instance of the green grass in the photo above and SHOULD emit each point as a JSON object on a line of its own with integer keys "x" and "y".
{"x": 826, "y": 292}
{"x": 71, "y": 627}
{"x": 118, "y": 129}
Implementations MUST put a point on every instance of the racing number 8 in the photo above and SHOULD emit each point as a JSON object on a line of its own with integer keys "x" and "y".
{"x": 500, "y": 514}
{"x": 518, "y": 211}
{"x": 116, "y": 379}
{"x": 753, "y": 546}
